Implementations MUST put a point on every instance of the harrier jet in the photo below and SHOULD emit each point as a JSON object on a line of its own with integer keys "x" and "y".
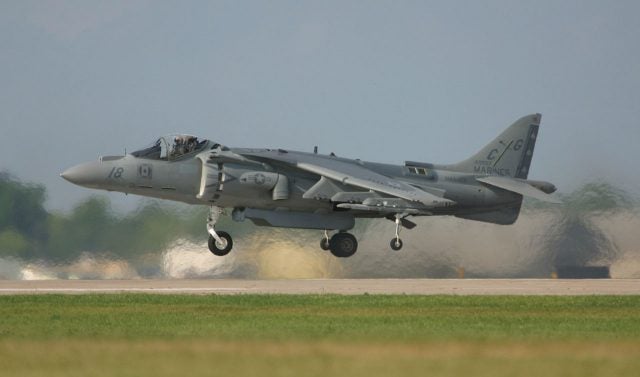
{"x": 285, "y": 188}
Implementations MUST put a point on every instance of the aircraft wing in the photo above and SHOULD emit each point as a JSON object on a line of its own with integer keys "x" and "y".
{"x": 519, "y": 187}
{"x": 349, "y": 173}
{"x": 361, "y": 177}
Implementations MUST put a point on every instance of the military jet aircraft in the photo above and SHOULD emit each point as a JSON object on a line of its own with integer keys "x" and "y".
{"x": 283, "y": 188}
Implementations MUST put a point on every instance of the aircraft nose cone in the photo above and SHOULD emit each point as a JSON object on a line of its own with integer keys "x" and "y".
{"x": 86, "y": 174}
{"x": 67, "y": 175}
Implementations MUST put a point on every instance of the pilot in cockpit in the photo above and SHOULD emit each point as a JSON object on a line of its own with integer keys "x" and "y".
{"x": 172, "y": 147}
{"x": 184, "y": 144}
{"x": 178, "y": 146}
{"x": 190, "y": 143}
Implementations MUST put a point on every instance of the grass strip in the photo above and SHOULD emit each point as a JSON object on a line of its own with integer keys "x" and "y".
{"x": 282, "y": 335}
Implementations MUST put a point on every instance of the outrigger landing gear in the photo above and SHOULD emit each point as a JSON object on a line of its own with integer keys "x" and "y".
{"x": 220, "y": 243}
{"x": 396, "y": 243}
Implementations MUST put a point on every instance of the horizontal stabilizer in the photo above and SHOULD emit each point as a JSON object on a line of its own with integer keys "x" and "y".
{"x": 519, "y": 187}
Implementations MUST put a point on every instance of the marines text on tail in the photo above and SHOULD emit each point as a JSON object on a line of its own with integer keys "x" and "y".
{"x": 281, "y": 188}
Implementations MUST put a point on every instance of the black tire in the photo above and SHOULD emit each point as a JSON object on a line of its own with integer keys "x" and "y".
{"x": 396, "y": 244}
{"x": 324, "y": 244}
{"x": 343, "y": 245}
{"x": 216, "y": 249}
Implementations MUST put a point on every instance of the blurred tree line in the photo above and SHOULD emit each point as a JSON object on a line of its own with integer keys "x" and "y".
{"x": 29, "y": 232}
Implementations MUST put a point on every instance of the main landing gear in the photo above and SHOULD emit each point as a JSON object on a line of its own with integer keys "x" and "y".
{"x": 344, "y": 244}
{"x": 220, "y": 243}
{"x": 341, "y": 244}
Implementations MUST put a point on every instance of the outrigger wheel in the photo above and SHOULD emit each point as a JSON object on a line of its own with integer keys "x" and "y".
{"x": 220, "y": 248}
{"x": 343, "y": 245}
{"x": 396, "y": 244}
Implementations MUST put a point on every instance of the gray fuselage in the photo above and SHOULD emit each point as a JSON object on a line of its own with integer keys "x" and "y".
{"x": 180, "y": 180}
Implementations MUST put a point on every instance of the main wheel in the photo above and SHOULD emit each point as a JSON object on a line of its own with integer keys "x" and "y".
{"x": 324, "y": 243}
{"x": 396, "y": 244}
{"x": 343, "y": 245}
{"x": 223, "y": 248}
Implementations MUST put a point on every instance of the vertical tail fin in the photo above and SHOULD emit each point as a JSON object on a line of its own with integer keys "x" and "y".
{"x": 509, "y": 154}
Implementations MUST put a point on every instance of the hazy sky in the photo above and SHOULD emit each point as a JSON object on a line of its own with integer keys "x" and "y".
{"x": 384, "y": 81}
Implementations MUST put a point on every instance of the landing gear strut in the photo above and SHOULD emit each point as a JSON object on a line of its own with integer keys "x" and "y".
{"x": 324, "y": 242}
{"x": 396, "y": 243}
{"x": 220, "y": 243}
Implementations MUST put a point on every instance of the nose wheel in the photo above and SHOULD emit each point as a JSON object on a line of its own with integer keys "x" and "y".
{"x": 222, "y": 247}
{"x": 220, "y": 243}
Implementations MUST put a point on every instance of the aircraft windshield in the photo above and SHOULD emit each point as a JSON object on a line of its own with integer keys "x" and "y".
{"x": 172, "y": 147}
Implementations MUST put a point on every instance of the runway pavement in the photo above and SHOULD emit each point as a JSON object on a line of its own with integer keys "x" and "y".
{"x": 555, "y": 287}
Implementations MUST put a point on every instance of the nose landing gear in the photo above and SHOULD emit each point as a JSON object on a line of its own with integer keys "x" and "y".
{"x": 324, "y": 241}
{"x": 220, "y": 243}
{"x": 222, "y": 247}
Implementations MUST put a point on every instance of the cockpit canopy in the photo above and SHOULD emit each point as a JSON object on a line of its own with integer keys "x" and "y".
{"x": 172, "y": 147}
